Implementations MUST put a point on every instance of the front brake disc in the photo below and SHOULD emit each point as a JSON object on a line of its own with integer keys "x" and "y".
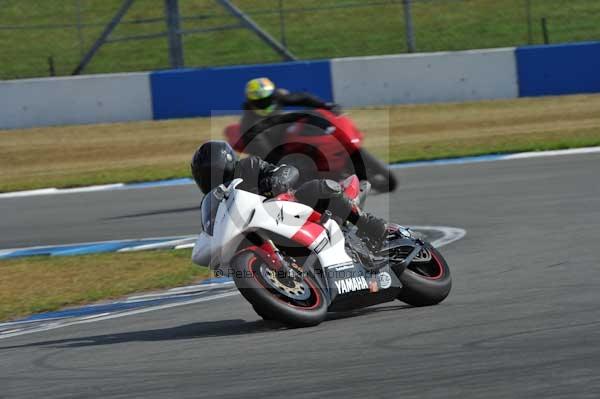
{"x": 297, "y": 290}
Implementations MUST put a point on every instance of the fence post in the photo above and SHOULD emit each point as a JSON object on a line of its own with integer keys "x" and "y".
{"x": 529, "y": 22}
{"x": 408, "y": 22}
{"x": 51, "y": 68}
{"x": 174, "y": 34}
{"x": 282, "y": 24}
{"x": 85, "y": 60}
{"x": 261, "y": 33}
{"x": 80, "y": 29}
{"x": 545, "y": 31}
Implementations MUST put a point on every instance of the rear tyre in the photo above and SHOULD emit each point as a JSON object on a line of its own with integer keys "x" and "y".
{"x": 427, "y": 280}
{"x": 376, "y": 172}
{"x": 384, "y": 182}
{"x": 296, "y": 305}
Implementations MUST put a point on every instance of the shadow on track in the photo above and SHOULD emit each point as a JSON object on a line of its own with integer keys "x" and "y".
{"x": 155, "y": 213}
{"x": 206, "y": 329}
{"x": 365, "y": 311}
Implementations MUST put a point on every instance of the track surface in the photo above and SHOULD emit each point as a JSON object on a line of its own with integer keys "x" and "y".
{"x": 523, "y": 319}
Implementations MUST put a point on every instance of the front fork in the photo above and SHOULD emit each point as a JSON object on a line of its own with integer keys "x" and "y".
{"x": 285, "y": 266}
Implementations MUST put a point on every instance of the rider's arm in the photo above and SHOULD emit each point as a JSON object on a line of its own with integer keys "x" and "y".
{"x": 266, "y": 179}
{"x": 275, "y": 180}
{"x": 286, "y": 98}
{"x": 275, "y": 120}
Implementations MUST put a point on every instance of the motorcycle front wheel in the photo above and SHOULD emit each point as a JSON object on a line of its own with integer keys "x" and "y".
{"x": 273, "y": 297}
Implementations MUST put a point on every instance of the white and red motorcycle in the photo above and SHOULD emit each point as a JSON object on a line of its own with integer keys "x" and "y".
{"x": 294, "y": 264}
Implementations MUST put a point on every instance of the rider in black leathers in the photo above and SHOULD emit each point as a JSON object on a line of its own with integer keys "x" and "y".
{"x": 215, "y": 163}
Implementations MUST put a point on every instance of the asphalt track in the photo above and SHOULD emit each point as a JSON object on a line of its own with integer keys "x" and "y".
{"x": 522, "y": 320}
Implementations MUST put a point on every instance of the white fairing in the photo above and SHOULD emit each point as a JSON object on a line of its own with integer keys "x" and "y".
{"x": 201, "y": 254}
{"x": 242, "y": 212}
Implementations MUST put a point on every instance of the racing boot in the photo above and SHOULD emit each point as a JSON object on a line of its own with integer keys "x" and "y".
{"x": 372, "y": 230}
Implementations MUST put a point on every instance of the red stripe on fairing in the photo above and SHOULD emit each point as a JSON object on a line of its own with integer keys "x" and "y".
{"x": 314, "y": 217}
{"x": 308, "y": 233}
{"x": 285, "y": 197}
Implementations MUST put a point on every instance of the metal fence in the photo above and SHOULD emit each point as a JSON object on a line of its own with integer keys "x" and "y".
{"x": 64, "y": 37}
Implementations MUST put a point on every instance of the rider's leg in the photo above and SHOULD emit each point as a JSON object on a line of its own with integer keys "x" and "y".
{"x": 327, "y": 194}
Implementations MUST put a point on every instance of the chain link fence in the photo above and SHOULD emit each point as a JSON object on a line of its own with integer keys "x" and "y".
{"x": 51, "y": 37}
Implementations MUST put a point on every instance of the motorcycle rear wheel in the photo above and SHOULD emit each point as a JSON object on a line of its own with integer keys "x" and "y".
{"x": 426, "y": 283}
{"x": 269, "y": 302}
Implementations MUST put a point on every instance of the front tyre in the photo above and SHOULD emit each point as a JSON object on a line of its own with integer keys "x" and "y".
{"x": 296, "y": 304}
{"x": 265, "y": 316}
{"x": 426, "y": 280}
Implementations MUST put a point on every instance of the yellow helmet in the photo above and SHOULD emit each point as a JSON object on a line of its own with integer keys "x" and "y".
{"x": 259, "y": 93}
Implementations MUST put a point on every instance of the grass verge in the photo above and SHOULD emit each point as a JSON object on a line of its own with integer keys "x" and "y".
{"x": 73, "y": 156}
{"x": 40, "y": 284}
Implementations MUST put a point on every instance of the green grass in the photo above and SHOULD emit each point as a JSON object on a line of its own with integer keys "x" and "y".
{"x": 313, "y": 30}
{"x": 41, "y": 284}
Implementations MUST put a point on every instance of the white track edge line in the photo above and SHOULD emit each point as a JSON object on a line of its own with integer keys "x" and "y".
{"x": 117, "y": 315}
{"x": 450, "y": 234}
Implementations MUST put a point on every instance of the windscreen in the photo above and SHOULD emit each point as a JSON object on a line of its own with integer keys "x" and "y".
{"x": 209, "y": 208}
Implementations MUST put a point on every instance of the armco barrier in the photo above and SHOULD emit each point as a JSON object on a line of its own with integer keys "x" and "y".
{"x": 559, "y": 69}
{"x": 75, "y": 100}
{"x": 199, "y": 92}
{"x": 425, "y": 78}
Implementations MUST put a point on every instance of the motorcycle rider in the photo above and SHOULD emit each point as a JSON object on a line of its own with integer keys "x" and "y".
{"x": 263, "y": 101}
{"x": 215, "y": 163}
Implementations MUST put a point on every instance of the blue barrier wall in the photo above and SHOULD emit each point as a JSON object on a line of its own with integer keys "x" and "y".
{"x": 559, "y": 69}
{"x": 198, "y": 92}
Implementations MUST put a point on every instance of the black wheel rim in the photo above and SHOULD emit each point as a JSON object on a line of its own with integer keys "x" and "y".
{"x": 427, "y": 264}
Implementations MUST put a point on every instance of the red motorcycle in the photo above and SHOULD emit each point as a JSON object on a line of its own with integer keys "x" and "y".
{"x": 321, "y": 144}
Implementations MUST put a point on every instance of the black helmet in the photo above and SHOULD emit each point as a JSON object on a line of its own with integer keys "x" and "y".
{"x": 213, "y": 164}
